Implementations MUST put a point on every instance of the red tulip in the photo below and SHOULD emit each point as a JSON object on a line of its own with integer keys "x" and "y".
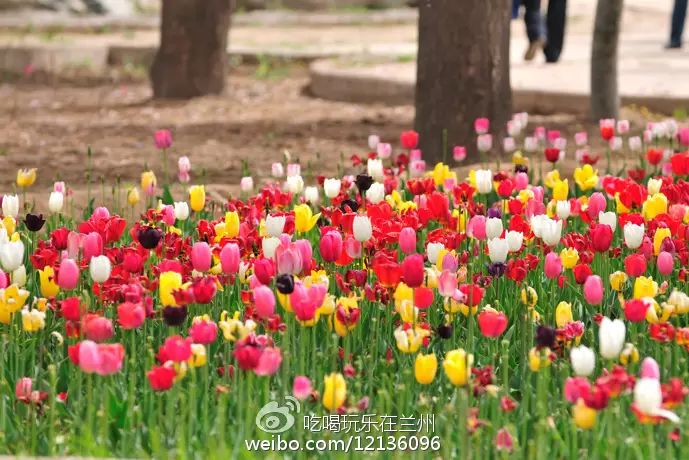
{"x": 581, "y": 273}
{"x": 473, "y": 293}
{"x": 413, "y": 271}
{"x": 98, "y": 328}
{"x": 203, "y": 331}
{"x": 654, "y": 156}
{"x": 331, "y": 246}
{"x": 409, "y": 139}
{"x": 635, "y": 265}
{"x": 264, "y": 269}
{"x": 130, "y": 315}
{"x": 552, "y": 154}
{"x": 72, "y": 309}
{"x": 601, "y": 237}
{"x": 635, "y": 310}
{"x": 492, "y": 322}
{"x": 423, "y": 297}
{"x": 388, "y": 272}
{"x": 161, "y": 378}
{"x": 203, "y": 289}
{"x": 175, "y": 349}
{"x": 248, "y": 352}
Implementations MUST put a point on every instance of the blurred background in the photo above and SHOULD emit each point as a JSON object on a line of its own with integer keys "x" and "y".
{"x": 240, "y": 84}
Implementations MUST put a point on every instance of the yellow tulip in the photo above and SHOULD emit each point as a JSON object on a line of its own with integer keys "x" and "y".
{"x": 645, "y": 287}
{"x": 10, "y": 224}
{"x": 231, "y": 224}
{"x": 133, "y": 196}
{"x": 630, "y": 354}
{"x": 539, "y": 359}
{"x": 197, "y": 197}
{"x": 12, "y": 299}
{"x": 563, "y": 314}
{"x": 26, "y": 177}
{"x": 569, "y": 257}
{"x": 233, "y": 329}
{"x": 457, "y": 366}
{"x": 304, "y": 219}
{"x": 148, "y": 182}
{"x": 658, "y": 238}
{"x": 32, "y": 320}
{"x": 168, "y": 283}
{"x": 425, "y": 368}
{"x": 584, "y": 417}
{"x": 335, "y": 391}
{"x": 529, "y": 297}
{"x": 561, "y": 190}
{"x": 519, "y": 159}
{"x": 198, "y": 355}
{"x": 49, "y": 287}
{"x": 586, "y": 177}
{"x": 654, "y": 205}
{"x": 410, "y": 340}
{"x": 552, "y": 178}
{"x": 617, "y": 280}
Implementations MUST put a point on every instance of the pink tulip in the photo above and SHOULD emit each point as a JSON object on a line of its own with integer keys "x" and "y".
{"x": 74, "y": 243}
{"x": 23, "y": 388}
{"x": 68, "y": 274}
{"x": 201, "y": 256}
{"x": 59, "y": 186}
{"x": 593, "y": 290}
{"x": 162, "y": 139}
{"x": 521, "y": 181}
{"x": 352, "y": 247}
{"x": 302, "y": 387}
{"x": 414, "y": 155}
{"x": 459, "y": 153}
{"x": 229, "y": 258}
{"x": 305, "y": 301}
{"x": 288, "y": 259}
{"x": 331, "y": 246}
{"x": 538, "y": 193}
{"x": 168, "y": 214}
{"x": 204, "y": 332}
{"x": 3, "y": 279}
{"x": 269, "y": 362}
{"x": 407, "y": 240}
{"x": 264, "y": 300}
{"x": 665, "y": 263}
{"x": 450, "y": 262}
{"x": 98, "y": 329}
{"x": 477, "y": 227}
{"x": 646, "y": 248}
{"x": 111, "y": 358}
{"x": 575, "y": 388}
{"x": 553, "y": 265}
{"x": 650, "y": 369}
{"x": 92, "y": 245}
{"x": 306, "y": 253}
{"x": 683, "y": 136}
{"x": 412, "y": 270}
{"x": 481, "y": 125}
{"x": 89, "y": 357}
{"x": 100, "y": 212}
{"x": 597, "y": 203}
{"x": 447, "y": 283}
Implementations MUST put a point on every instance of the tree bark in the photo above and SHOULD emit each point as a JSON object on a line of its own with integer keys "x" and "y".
{"x": 605, "y": 98}
{"x": 463, "y": 72}
{"x": 192, "y": 58}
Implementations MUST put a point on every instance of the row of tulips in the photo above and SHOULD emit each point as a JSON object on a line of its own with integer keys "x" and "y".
{"x": 529, "y": 317}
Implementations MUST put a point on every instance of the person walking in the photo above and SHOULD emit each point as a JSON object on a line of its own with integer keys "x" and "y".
{"x": 555, "y": 24}
{"x": 534, "y": 28}
{"x": 679, "y": 14}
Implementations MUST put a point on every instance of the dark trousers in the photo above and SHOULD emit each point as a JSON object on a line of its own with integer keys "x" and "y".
{"x": 555, "y": 25}
{"x": 679, "y": 14}
{"x": 515, "y": 8}
{"x": 532, "y": 19}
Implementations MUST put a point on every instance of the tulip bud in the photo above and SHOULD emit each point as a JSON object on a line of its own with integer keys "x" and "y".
{"x": 100, "y": 268}
{"x": 407, "y": 240}
{"x": 593, "y": 290}
{"x": 10, "y": 205}
{"x": 181, "y": 210}
{"x": 376, "y": 193}
{"x": 201, "y": 256}
{"x": 611, "y": 336}
{"x": 362, "y": 228}
{"x": 229, "y": 258}
{"x": 583, "y": 360}
{"x": 332, "y": 187}
{"x": 68, "y": 274}
{"x": 264, "y": 300}
{"x": 497, "y": 250}
{"x": 55, "y": 202}
{"x": 12, "y": 255}
{"x": 275, "y": 225}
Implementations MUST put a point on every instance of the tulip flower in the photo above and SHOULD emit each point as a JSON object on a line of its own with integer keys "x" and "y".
{"x": 264, "y": 300}
{"x": 407, "y": 240}
{"x": 304, "y": 219}
{"x": 331, "y": 246}
{"x": 130, "y": 315}
{"x": 476, "y": 228}
{"x": 294, "y": 183}
{"x": 161, "y": 378}
{"x": 181, "y": 209}
{"x": 553, "y": 265}
{"x": 491, "y": 322}
{"x": 331, "y": 187}
{"x": 98, "y": 328}
{"x": 362, "y": 228}
{"x": 48, "y": 282}
{"x": 593, "y": 290}
{"x": 10, "y": 205}
{"x": 515, "y": 240}
{"x": 497, "y": 250}
{"x": 425, "y": 368}
{"x": 334, "y": 392}
{"x": 100, "y": 269}
{"x": 26, "y": 177}
{"x": 168, "y": 283}
{"x": 611, "y": 335}
{"x": 197, "y": 197}
{"x": 246, "y": 184}
{"x": 645, "y": 287}
{"x": 269, "y": 362}
{"x": 457, "y": 366}
{"x": 650, "y": 368}
{"x": 583, "y": 360}
{"x": 68, "y": 274}
{"x": 584, "y": 417}
{"x": 413, "y": 271}
{"x": 376, "y": 193}
{"x": 302, "y": 387}
{"x": 201, "y": 257}
{"x": 648, "y": 399}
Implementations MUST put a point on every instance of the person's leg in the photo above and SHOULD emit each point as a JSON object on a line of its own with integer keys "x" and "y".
{"x": 532, "y": 19}
{"x": 555, "y": 24}
{"x": 679, "y": 14}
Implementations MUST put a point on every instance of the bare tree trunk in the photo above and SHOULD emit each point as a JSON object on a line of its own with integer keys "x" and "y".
{"x": 463, "y": 71}
{"x": 192, "y": 58}
{"x": 605, "y": 98}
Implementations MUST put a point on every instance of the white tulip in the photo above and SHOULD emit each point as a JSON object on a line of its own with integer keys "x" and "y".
{"x": 269, "y": 245}
{"x": 12, "y": 255}
{"x": 246, "y": 184}
{"x": 653, "y": 186}
{"x": 100, "y": 268}
{"x": 484, "y": 181}
{"x": 10, "y": 205}
{"x": 514, "y": 240}
{"x": 648, "y": 398}
{"x": 311, "y": 195}
{"x": 633, "y": 235}
{"x": 508, "y": 145}
{"x": 275, "y": 225}
{"x": 530, "y": 144}
{"x": 611, "y": 338}
{"x": 376, "y": 193}
{"x": 362, "y": 228}
{"x": 583, "y": 360}
{"x": 551, "y": 231}
{"x": 277, "y": 170}
{"x": 536, "y": 224}
{"x": 634, "y": 143}
{"x": 493, "y": 227}
{"x": 608, "y": 218}
{"x": 563, "y": 209}
{"x": 497, "y": 250}
{"x": 181, "y": 210}
{"x": 19, "y": 276}
{"x": 375, "y": 169}
{"x": 332, "y": 187}
{"x": 294, "y": 184}
{"x": 433, "y": 251}
{"x": 55, "y": 202}
{"x": 373, "y": 141}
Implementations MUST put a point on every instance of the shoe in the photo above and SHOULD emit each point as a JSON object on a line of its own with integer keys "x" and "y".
{"x": 673, "y": 45}
{"x": 533, "y": 48}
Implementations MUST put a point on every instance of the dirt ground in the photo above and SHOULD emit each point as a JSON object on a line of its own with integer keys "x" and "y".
{"x": 49, "y": 125}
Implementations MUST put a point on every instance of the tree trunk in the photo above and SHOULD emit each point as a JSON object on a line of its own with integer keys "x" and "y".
{"x": 605, "y": 98}
{"x": 463, "y": 72}
{"x": 192, "y": 58}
